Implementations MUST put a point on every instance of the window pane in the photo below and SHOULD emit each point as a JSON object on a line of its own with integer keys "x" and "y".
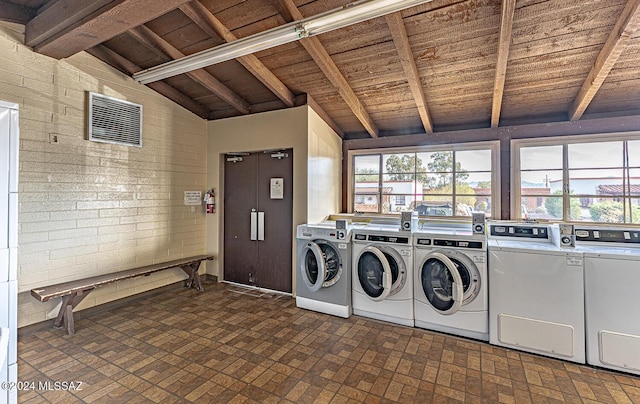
{"x": 595, "y": 182}
{"x": 398, "y": 183}
{"x": 595, "y": 155}
{"x": 474, "y": 160}
{"x": 540, "y": 207}
{"x": 436, "y": 162}
{"x": 440, "y": 182}
{"x": 634, "y": 180}
{"x": 371, "y": 179}
{"x": 399, "y": 163}
{"x": 541, "y": 182}
{"x": 635, "y": 211}
{"x": 475, "y": 183}
{"x": 434, "y": 205}
{"x": 366, "y": 164}
{"x": 634, "y": 153}
{"x": 542, "y": 157}
{"x": 365, "y": 202}
{"x": 605, "y": 210}
{"x": 400, "y": 203}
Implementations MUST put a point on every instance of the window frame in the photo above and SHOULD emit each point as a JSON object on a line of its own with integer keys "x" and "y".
{"x": 492, "y": 145}
{"x": 564, "y": 141}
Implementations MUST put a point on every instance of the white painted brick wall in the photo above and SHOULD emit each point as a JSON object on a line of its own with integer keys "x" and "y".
{"x": 90, "y": 208}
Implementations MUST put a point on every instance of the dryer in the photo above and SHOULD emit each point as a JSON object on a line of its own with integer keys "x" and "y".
{"x": 450, "y": 282}
{"x": 612, "y": 275}
{"x": 383, "y": 273}
{"x": 323, "y": 276}
{"x": 536, "y": 291}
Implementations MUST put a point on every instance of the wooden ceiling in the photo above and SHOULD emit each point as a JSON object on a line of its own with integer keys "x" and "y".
{"x": 444, "y": 65}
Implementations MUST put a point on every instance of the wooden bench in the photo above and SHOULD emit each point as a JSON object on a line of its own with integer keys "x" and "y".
{"x": 74, "y": 292}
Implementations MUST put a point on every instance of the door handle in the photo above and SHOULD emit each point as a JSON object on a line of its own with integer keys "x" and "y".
{"x": 254, "y": 225}
{"x": 261, "y": 226}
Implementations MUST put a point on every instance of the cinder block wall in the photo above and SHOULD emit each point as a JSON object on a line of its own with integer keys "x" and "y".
{"x": 90, "y": 208}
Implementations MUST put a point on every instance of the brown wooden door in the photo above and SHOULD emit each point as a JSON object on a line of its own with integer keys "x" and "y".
{"x": 264, "y": 261}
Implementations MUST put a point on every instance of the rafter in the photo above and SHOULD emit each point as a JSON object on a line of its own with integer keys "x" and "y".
{"x": 15, "y": 13}
{"x": 625, "y": 27}
{"x": 110, "y": 57}
{"x": 154, "y": 42}
{"x": 322, "y": 58}
{"x": 504, "y": 41}
{"x": 61, "y": 31}
{"x": 399, "y": 35}
{"x": 209, "y": 23}
{"x": 58, "y": 16}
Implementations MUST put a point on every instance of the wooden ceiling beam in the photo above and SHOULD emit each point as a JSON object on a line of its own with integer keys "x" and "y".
{"x": 504, "y": 42}
{"x": 58, "y": 16}
{"x": 626, "y": 25}
{"x": 210, "y": 24}
{"x": 154, "y": 42}
{"x": 98, "y": 21}
{"x": 110, "y": 57}
{"x": 15, "y": 13}
{"x": 322, "y": 58}
{"x": 408, "y": 62}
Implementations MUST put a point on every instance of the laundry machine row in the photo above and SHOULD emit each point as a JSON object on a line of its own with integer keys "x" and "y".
{"x": 448, "y": 263}
{"x": 534, "y": 287}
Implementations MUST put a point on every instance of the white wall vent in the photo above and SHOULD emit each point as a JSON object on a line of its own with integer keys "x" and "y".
{"x": 114, "y": 121}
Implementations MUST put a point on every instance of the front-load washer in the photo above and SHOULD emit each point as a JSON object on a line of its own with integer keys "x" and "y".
{"x": 536, "y": 291}
{"x": 323, "y": 278}
{"x": 383, "y": 273}
{"x": 450, "y": 282}
{"x": 611, "y": 278}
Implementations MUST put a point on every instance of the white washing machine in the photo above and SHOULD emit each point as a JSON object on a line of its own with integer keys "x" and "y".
{"x": 450, "y": 282}
{"x": 612, "y": 276}
{"x": 536, "y": 291}
{"x": 383, "y": 273}
{"x": 323, "y": 278}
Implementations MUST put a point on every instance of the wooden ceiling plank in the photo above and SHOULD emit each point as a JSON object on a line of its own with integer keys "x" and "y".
{"x": 15, "y": 13}
{"x": 626, "y": 25}
{"x": 504, "y": 41}
{"x": 209, "y": 23}
{"x": 154, "y": 41}
{"x": 322, "y": 58}
{"x": 110, "y": 57}
{"x": 113, "y": 19}
{"x": 400, "y": 39}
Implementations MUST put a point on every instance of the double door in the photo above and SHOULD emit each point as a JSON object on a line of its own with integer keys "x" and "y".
{"x": 258, "y": 219}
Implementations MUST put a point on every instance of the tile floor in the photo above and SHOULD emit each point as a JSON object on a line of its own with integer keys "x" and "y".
{"x": 229, "y": 344}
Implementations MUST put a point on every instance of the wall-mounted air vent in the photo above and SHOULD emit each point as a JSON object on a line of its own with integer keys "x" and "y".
{"x": 114, "y": 121}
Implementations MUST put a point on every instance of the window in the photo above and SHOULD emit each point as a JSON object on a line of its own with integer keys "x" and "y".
{"x": 453, "y": 181}
{"x": 582, "y": 179}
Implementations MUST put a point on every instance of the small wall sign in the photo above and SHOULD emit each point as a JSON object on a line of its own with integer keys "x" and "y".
{"x": 277, "y": 188}
{"x": 192, "y": 198}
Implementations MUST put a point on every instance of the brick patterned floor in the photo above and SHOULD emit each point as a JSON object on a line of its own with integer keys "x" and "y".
{"x": 230, "y": 344}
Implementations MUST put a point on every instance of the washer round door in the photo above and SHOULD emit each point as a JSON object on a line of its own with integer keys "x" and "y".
{"x": 321, "y": 265}
{"x": 381, "y": 272}
{"x": 469, "y": 274}
{"x": 441, "y": 283}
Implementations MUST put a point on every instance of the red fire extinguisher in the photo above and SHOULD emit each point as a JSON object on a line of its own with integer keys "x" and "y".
{"x": 210, "y": 201}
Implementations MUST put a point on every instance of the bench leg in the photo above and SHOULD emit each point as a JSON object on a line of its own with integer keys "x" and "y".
{"x": 65, "y": 315}
{"x": 194, "y": 278}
